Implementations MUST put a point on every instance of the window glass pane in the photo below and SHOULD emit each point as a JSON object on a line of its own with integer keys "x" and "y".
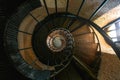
{"x": 118, "y": 44}
{"x": 112, "y": 27}
{"x": 113, "y": 30}
{"x": 112, "y": 33}
{"x": 118, "y": 24}
{"x": 114, "y": 39}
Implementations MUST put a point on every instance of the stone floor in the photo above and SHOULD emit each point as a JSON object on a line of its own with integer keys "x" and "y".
{"x": 109, "y": 68}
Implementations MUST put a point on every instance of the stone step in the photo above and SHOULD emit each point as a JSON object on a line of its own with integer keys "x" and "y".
{"x": 84, "y": 38}
{"x": 83, "y": 29}
{"x": 87, "y": 52}
{"x": 70, "y": 73}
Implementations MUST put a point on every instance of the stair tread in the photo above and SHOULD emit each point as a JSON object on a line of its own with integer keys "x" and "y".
{"x": 84, "y": 29}
{"x": 87, "y": 46}
{"x": 75, "y": 24}
{"x": 29, "y": 56}
{"x": 84, "y": 38}
{"x": 86, "y": 53}
{"x": 69, "y": 74}
{"x": 24, "y": 40}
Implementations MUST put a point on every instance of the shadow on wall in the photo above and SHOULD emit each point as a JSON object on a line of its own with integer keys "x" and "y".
{"x": 109, "y": 68}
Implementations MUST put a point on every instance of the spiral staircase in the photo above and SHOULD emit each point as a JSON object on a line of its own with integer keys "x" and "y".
{"x": 44, "y": 42}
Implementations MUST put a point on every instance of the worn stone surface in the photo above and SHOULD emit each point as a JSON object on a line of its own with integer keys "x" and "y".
{"x": 109, "y": 68}
{"x": 111, "y": 15}
{"x": 88, "y": 8}
{"x": 51, "y": 3}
